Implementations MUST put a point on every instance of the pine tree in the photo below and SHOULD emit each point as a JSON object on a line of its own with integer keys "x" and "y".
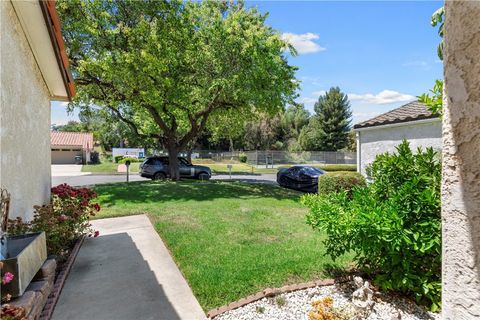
{"x": 333, "y": 118}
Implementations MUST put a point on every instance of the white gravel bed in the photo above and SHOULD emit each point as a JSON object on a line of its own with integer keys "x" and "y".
{"x": 296, "y": 306}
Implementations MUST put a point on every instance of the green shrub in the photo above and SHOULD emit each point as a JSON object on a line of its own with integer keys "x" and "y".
{"x": 123, "y": 160}
{"x": 339, "y": 181}
{"x": 393, "y": 225}
{"x": 242, "y": 158}
{"x": 338, "y": 167}
{"x": 118, "y": 158}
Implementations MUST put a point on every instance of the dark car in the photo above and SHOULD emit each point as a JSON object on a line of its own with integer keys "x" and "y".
{"x": 303, "y": 178}
{"x": 156, "y": 168}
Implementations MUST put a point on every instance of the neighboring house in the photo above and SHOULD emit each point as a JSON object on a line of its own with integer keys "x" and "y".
{"x": 66, "y": 146}
{"x": 413, "y": 122}
{"x": 34, "y": 71}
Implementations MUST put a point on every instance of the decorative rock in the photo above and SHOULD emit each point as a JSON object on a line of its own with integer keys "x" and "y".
{"x": 47, "y": 270}
{"x": 396, "y": 315}
{"x": 299, "y": 303}
{"x": 363, "y": 296}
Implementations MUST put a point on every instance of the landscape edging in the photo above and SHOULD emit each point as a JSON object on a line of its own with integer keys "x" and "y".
{"x": 268, "y": 292}
{"x": 60, "y": 282}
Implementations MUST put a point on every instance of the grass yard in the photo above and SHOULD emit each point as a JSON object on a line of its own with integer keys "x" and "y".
{"x": 229, "y": 239}
{"x": 107, "y": 167}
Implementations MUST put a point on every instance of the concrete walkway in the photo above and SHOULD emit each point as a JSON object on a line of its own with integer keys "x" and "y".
{"x": 126, "y": 273}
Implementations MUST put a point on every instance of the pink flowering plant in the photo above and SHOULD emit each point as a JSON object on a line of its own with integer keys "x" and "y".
{"x": 65, "y": 219}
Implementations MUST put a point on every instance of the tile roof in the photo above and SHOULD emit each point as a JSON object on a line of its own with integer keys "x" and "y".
{"x": 412, "y": 111}
{"x": 84, "y": 139}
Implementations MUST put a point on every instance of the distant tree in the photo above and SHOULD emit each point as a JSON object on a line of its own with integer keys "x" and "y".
{"x": 263, "y": 134}
{"x": 295, "y": 118}
{"x": 165, "y": 68}
{"x": 332, "y": 120}
{"x": 71, "y": 126}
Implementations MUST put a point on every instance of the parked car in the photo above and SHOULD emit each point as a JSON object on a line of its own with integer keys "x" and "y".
{"x": 303, "y": 178}
{"x": 156, "y": 168}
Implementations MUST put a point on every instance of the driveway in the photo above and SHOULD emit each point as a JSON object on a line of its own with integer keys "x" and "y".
{"x": 90, "y": 179}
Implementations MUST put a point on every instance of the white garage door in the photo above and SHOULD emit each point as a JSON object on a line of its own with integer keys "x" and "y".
{"x": 65, "y": 156}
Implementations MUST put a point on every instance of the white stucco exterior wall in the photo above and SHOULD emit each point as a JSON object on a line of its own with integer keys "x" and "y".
{"x": 24, "y": 120}
{"x": 380, "y": 139}
{"x": 461, "y": 162}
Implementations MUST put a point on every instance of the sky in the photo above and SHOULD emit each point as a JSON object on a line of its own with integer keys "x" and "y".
{"x": 381, "y": 53}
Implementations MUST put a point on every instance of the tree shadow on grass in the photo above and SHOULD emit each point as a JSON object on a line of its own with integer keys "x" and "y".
{"x": 165, "y": 191}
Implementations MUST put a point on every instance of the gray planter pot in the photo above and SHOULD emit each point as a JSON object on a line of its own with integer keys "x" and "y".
{"x": 25, "y": 255}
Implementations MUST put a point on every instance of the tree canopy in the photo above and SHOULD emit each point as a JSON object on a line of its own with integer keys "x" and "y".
{"x": 329, "y": 128}
{"x": 167, "y": 68}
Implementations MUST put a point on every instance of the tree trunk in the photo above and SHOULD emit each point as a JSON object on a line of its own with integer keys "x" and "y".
{"x": 173, "y": 163}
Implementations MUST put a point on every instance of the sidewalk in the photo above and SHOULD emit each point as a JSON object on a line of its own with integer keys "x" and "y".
{"x": 126, "y": 273}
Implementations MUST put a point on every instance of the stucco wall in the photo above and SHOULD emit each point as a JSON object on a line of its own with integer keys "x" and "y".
{"x": 376, "y": 140}
{"x": 461, "y": 162}
{"x": 24, "y": 120}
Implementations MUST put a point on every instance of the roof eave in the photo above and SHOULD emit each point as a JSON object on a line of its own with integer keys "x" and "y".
{"x": 397, "y": 123}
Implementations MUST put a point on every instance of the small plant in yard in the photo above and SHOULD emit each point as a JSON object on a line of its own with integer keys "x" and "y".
{"x": 65, "y": 219}
{"x": 242, "y": 158}
{"x": 323, "y": 310}
{"x": 280, "y": 301}
{"x": 260, "y": 309}
{"x": 392, "y": 225}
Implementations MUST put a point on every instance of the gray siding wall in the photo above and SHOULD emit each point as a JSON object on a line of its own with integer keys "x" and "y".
{"x": 24, "y": 121}
{"x": 376, "y": 140}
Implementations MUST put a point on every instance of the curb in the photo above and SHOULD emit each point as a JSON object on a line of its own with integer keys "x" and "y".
{"x": 268, "y": 292}
{"x": 60, "y": 282}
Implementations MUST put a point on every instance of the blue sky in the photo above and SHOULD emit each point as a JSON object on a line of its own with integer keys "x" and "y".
{"x": 381, "y": 53}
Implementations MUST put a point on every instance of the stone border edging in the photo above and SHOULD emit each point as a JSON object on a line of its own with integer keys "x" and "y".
{"x": 60, "y": 282}
{"x": 268, "y": 292}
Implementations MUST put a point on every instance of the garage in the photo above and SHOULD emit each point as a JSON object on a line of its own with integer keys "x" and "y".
{"x": 66, "y": 147}
{"x": 65, "y": 156}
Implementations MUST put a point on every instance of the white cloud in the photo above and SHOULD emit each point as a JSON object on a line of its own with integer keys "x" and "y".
{"x": 319, "y": 93}
{"x": 384, "y": 97}
{"x": 307, "y": 100}
{"x": 303, "y": 43}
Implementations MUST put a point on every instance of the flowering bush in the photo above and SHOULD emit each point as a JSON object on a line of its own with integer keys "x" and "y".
{"x": 64, "y": 219}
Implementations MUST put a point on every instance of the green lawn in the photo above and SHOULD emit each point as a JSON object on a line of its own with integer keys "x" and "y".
{"x": 229, "y": 239}
{"x": 107, "y": 167}
{"x": 217, "y": 167}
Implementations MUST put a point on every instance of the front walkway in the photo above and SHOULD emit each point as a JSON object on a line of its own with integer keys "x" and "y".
{"x": 126, "y": 273}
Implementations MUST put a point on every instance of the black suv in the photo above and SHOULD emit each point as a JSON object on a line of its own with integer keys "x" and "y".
{"x": 156, "y": 168}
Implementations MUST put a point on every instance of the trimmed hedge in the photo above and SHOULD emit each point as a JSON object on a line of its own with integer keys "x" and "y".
{"x": 339, "y": 181}
{"x": 338, "y": 167}
{"x": 123, "y": 160}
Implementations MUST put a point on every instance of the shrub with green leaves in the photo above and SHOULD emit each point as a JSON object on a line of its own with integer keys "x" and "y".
{"x": 132, "y": 160}
{"x": 118, "y": 158}
{"x": 339, "y": 181}
{"x": 242, "y": 158}
{"x": 393, "y": 225}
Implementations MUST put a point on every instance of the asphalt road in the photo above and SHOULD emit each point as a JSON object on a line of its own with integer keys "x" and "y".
{"x": 92, "y": 179}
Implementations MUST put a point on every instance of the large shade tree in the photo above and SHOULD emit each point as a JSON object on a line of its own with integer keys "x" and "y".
{"x": 166, "y": 67}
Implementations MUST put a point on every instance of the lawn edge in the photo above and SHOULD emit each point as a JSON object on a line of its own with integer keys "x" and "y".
{"x": 268, "y": 292}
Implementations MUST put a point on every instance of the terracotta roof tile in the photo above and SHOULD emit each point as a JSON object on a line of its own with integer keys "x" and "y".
{"x": 84, "y": 139}
{"x": 412, "y": 111}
